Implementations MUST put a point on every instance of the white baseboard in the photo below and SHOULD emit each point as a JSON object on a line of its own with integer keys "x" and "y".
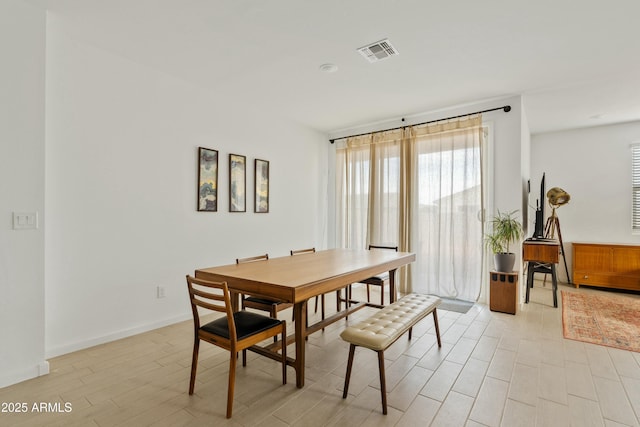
{"x": 25, "y": 374}
{"x": 81, "y": 345}
{"x": 43, "y": 368}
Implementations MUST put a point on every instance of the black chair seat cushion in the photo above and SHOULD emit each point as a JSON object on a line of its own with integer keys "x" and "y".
{"x": 262, "y": 301}
{"x": 379, "y": 279}
{"x": 247, "y": 324}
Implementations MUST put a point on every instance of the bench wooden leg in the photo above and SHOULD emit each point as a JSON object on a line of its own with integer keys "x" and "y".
{"x": 347, "y": 336}
{"x": 383, "y": 383}
{"x": 435, "y": 322}
{"x": 352, "y": 350}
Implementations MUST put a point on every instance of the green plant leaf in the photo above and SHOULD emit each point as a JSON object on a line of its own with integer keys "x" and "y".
{"x": 506, "y": 229}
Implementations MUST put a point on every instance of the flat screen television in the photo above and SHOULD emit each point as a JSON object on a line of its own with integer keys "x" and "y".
{"x": 538, "y": 231}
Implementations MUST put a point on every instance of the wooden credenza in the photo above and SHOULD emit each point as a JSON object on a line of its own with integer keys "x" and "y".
{"x": 606, "y": 265}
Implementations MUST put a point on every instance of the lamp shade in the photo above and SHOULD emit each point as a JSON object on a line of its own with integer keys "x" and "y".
{"x": 558, "y": 197}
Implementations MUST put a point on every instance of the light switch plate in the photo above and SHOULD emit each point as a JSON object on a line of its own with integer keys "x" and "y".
{"x": 25, "y": 220}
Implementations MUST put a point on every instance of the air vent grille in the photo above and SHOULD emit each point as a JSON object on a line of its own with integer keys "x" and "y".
{"x": 378, "y": 51}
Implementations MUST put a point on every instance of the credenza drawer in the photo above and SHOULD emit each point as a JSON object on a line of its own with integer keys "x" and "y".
{"x": 606, "y": 280}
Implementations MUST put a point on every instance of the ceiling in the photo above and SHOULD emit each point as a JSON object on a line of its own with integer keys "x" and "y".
{"x": 576, "y": 64}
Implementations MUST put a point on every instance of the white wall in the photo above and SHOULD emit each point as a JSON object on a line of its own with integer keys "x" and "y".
{"x": 525, "y": 164}
{"x": 121, "y": 172}
{"x": 22, "y": 190}
{"x": 594, "y": 166}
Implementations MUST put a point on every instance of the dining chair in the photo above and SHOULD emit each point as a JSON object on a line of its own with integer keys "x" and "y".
{"x": 234, "y": 332}
{"x": 308, "y": 251}
{"x": 264, "y": 304}
{"x": 380, "y": 279}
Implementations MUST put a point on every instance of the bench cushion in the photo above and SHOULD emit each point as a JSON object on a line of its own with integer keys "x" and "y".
{"x": 380, "y": 330}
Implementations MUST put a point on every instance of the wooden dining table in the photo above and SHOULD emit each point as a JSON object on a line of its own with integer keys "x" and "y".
{"x": 296, "y": 279}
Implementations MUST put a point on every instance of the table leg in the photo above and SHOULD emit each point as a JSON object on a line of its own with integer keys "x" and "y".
{"x": 300, "y": 317}
{"x": 392, "y": 286}
{"x": 235, "y": 300}
{"x": 530, "y": 268}
{"x": 554, "y": 279}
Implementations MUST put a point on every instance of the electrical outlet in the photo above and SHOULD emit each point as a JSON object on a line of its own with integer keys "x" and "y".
{"x": 160, "y": 292}
{"x": 25, "y": 220}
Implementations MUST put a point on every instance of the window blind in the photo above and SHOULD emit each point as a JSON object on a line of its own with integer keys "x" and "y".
{"x": 635, "y": 174}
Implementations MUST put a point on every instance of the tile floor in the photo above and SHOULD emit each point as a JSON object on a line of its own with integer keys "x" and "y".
{"x": 493, "y": 369}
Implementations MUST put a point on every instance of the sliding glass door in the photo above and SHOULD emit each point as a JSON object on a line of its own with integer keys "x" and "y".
{"x": 420, "y": 190}
{"x": 449, "y": 243}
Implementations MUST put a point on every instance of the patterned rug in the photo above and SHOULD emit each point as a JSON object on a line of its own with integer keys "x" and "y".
{"x": 613, "y": 321}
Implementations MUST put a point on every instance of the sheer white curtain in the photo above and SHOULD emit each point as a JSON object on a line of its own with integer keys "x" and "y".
{"x": 367, "y": 188}
{"x": 352, "y": 192}
{"x": 384, "y": 184}
{"x": 449, "y": 232}
{"x": 368, "y": 192}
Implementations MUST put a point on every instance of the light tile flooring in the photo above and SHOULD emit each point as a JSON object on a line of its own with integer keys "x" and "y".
{"x": 493, "y": 369}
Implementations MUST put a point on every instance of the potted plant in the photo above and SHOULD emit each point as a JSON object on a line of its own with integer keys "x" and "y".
{"x": 506, "y": 229}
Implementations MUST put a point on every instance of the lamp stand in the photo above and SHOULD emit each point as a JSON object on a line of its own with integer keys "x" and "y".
{"x": 553, "y": 224}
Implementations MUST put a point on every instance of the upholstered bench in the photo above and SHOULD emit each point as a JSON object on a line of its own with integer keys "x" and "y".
{"x": 382, "y": 329}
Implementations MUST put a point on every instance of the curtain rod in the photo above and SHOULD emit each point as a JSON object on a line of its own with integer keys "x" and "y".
{"x": 505, "y": 108}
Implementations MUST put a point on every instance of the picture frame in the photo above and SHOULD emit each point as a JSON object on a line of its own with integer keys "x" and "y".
{"x": 261, "y": 186}
{"x": 207, "y": 180}
{"x": 237, "y": 183}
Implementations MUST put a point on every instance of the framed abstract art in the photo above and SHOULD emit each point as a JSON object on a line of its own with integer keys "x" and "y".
{"x": 261, "y": 201}
{"x": 207, "y": 180}
{"x": 237, "y": 183}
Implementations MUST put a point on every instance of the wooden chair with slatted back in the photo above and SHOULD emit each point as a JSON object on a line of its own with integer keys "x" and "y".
{"x": 234, "y": 332}
{"x": 259, "y": 303}
{"x": 309, "y": 251}
{"x": 380, "y": 279}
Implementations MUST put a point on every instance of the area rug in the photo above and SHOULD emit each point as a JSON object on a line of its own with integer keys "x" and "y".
{"x": 457, "y": 305}
{"x": 613, "y": 321}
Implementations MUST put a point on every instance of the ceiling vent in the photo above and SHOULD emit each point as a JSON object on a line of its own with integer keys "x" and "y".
{"x": 378, "y": 51}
